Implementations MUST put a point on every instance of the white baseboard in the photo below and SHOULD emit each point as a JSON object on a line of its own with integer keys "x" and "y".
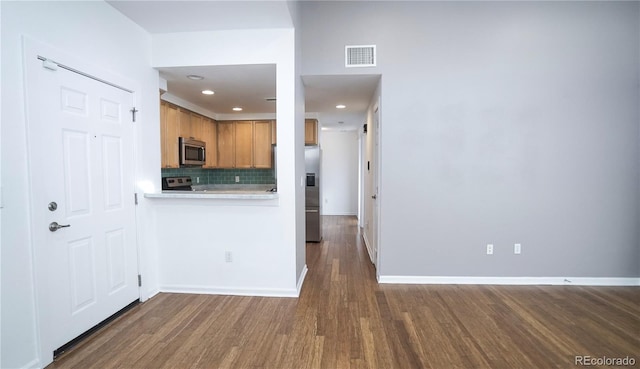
{"x": 367, "y": 245}
{"x": 301, "y": 279}
{"x": 149, "y": 294}
{"x": 212, "y": 290}
{"x": 35, "y": 363}
{"x": 556, "y": 281}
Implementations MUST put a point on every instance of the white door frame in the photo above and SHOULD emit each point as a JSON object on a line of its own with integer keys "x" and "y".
{"x": 377, "y": 188}
{"x": 31, "y": 50}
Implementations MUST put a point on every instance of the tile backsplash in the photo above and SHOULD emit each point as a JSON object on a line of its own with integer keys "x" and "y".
{"x": 224, "y": 176}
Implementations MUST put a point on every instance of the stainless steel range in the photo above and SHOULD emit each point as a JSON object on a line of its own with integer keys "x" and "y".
{"x": 176, "y": 184}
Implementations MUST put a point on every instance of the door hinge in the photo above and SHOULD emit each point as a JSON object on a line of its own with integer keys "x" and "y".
{"x": 139, "y": 280}
{"x": 133, "y": 113}
{"x": 135, "y": 198}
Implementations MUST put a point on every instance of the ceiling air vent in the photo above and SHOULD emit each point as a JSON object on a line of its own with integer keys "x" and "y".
{"x": 360, "y": 56}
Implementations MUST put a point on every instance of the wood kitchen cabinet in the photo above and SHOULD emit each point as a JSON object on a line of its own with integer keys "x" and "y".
{"x": 226, "y": 145}
{"x": 274, "y": 139}
{"x": 197, "y": 127}
{"x": 310, "y": 131}
{"x": 244, "y": 144}
{"x": 169, "y": 133}
{"x": 210, "y": 136}
{"x": 178, "y": 122}
{"x": 184, "y": 119}
{"x": 262, "y": 131}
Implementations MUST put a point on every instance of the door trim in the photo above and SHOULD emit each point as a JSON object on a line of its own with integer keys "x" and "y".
{"x": 31, "y": 50}
{"x": 377, "y": 182}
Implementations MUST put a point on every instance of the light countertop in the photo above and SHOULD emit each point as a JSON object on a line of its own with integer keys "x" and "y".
{"x": 234, "y": 192}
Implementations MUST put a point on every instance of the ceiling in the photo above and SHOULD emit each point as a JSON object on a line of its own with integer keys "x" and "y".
{"x": 205, "y": 15}
{"x": 247, "y": 85}
{"x": 323, "y": 93}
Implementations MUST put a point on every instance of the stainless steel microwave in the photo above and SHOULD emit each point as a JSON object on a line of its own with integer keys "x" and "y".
{"x": 192, "y": 152}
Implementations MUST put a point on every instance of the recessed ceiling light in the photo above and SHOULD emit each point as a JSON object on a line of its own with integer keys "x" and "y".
{"x": 195, "y": 77}
{"x": 340, "y": 106}
{"x": 208, "y": 92}
{"x": 237, "y": 108}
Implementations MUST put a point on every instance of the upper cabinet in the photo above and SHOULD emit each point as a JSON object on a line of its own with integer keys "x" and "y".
{"x": 178, "y": 122}
{"x": 230, "y": 144}
{"x": 169, "y": 133}
{"x": 262, "y": 140}
{"x": 226, "y": 145}
{"x": 244, "y": 144}
{"x": 310, "y": 131}
{"x": 210, "y": 136}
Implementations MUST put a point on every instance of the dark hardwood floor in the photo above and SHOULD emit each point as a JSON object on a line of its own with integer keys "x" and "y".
{"x": 344, "y": 319}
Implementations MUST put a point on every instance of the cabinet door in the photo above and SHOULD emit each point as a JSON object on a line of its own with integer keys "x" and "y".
{"x": 244, "y": 144}
{"x": 274, "y": 131}
{"x": 197, "y": 127}
{"x": 210, "y": 136}
{"x": 170, "y": 128}
{"x": 184, "y": 116}
{"x": 310, "y": 132}
{"x": 262, "y": 144}
{"x": 226, "y": 144}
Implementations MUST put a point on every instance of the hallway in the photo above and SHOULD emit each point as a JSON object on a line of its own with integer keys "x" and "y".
{"x": 344, "y": 319}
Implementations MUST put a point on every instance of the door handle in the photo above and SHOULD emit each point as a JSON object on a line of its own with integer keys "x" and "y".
{"x": 311, "y": 211}
{"x": 374, "y": 197}
{"x": 54, "y": 226}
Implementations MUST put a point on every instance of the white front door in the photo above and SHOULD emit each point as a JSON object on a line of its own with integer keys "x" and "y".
{"x": 81, "y": 139}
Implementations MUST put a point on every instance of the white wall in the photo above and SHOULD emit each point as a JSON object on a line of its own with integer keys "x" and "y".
{"x": 301, "y": 258}
{"x": 100, "y": 36}
{"x": 517, "y": 121}
{"x": 339, "y": 173}
{"x": 265, "y": 237}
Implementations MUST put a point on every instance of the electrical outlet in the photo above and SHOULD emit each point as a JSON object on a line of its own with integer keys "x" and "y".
{"x": 237, "y": 179}
{"x": 197, "y": 179}
{"x": 517, "y": 248}
{"x": 490, "y": 249}
{"x": 228, "y": 257}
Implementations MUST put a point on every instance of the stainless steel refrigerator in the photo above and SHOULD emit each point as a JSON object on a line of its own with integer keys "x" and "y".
{"x": 312, "y": 158}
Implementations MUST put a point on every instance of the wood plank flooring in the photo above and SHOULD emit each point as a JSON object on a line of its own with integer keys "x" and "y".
{"x": 344, "y": 319}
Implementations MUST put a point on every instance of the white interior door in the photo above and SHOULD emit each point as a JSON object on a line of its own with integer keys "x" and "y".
{"x": 81, "y": 158}
{"x": 375, "y": 168}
